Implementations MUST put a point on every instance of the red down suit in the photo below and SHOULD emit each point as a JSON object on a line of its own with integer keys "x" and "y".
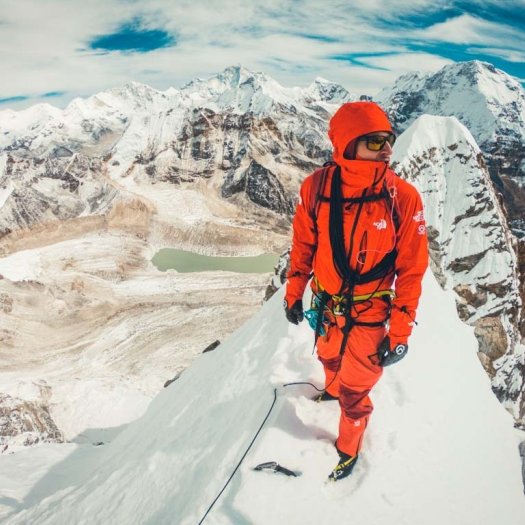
{"x": 371, "y": 230}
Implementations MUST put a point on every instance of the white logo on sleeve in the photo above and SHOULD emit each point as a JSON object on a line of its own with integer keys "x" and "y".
{"x": 419, "y": 216}
{"x": 421, "y": 229}
{"x": 380, "y": 225}
{"x": 399, "y": 349}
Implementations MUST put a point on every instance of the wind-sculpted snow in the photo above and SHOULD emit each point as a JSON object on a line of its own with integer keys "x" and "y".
{"x": 437, "y": 440}
{"x": 471, "y": 248}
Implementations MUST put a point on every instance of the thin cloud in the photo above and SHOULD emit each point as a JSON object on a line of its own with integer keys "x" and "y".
{"x": 363, "y": 46}
{"x": 466, "y": 29}
{"x": 510, "y": 55}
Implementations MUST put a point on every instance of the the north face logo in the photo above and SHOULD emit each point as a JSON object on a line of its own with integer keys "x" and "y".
{"x": 419, "y": 216}
{"x": 380, "y": 225}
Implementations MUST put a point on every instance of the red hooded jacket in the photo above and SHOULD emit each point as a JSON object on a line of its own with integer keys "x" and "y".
{"x": 374, "y": 232}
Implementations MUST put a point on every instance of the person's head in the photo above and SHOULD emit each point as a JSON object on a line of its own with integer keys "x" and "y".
{"x": 361, "y": 131}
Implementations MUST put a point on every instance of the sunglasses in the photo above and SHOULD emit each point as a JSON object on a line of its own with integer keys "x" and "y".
{"x": 377, "y": 142}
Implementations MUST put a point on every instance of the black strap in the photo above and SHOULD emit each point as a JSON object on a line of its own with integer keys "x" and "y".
{"x": 336, "y": 230}
{"x": 350, "y": 322}
{"x": 319, "y": 184}
{"x": 349, "y": 277}
{"x": 382, "y": 268}
{"x": 383, "y": 194}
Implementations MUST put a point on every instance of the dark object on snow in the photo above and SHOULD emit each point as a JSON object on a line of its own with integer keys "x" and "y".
{"x": 98, "y": 443}
{"x": 275, "y": 467}
{"x": 324, "y": 396}
{"x": 169, "y": 381}
{"x": 211, "y": 347}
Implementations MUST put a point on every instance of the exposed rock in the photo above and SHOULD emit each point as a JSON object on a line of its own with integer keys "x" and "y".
{"x": 465, "y": 264}
{"x": 169, "y": 381}
{"x": 279, "y": 277}
{"x": 492, "y": 337}
{"x": 262, "y": 187}
{"x": 471, "y": 297}
{"x": 211, "y": 346}
{"x": 26, "y": 422}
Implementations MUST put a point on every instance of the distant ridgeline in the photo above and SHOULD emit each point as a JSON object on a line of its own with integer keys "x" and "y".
{"x": 244, "y": 140}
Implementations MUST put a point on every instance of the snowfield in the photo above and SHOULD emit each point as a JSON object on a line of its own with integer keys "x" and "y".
{"x": 440, "y": 449}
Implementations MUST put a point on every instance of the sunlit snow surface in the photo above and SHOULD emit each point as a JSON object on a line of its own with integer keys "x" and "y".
{"x": 440, "y": 449}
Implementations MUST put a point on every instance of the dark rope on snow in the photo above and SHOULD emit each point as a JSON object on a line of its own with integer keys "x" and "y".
{"x": 244, "y": 455}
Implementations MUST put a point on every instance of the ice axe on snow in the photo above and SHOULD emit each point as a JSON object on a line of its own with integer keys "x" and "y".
{"x": 275, "y": 467}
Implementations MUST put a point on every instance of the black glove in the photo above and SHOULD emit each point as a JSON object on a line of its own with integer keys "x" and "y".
{"x": 387, "y": 355}
{"x": 295, "y": 313}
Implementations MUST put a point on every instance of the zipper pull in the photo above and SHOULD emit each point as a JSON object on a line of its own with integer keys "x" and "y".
{"x": 405, "y": 311}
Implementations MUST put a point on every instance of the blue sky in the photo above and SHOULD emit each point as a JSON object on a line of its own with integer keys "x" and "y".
{"x": 56, "y": 50}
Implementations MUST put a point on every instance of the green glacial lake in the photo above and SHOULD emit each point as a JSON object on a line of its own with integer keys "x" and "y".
{"x": 183, "y": 261}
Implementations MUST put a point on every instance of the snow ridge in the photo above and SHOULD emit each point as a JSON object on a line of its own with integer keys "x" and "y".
{"x": 472, "y": 250}
{"x": 427, "y": 457}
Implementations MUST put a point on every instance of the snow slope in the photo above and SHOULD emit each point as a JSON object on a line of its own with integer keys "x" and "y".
{"x": 439, "y": 448}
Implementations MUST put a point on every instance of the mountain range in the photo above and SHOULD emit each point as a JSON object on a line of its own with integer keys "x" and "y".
{"x": 215, "y": 167}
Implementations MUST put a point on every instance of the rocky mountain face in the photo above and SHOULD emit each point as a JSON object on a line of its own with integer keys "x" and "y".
{"x": 239, "y": 144}
{"x": 26, "y": 423}
{"x": 490, "y": 103}
{"x": 240, "y": 132}
{"x": 38, "y": 190}
{"x": 472, "y": 249}
{"x": 89, "y": 193}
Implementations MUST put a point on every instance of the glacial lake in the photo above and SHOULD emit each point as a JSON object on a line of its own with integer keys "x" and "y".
{"x": 183, "y": 261}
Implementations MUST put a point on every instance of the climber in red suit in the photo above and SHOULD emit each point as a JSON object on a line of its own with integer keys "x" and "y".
{"x": 361, "y": 230}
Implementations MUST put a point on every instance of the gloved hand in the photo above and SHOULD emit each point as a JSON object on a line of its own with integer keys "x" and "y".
{"x": 295, "y": 313}
{"x": 388, "y": 354}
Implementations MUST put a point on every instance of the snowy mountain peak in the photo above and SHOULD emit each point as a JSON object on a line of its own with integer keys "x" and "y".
{"x": 328, "y": 91}
{"x": 483, "y": 98}
{"x": 232, "y": 78}
{"x": 136, "y": 89}
{"x": 497, "y": 86}
{"x": 470, "y": 244}
{"x": 432, "y": 131}
{"x": 28, "y": 116}
{"x": 487, "y": 101}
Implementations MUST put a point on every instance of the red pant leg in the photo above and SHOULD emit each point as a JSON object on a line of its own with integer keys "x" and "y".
{"x": 357, "y": 376}
{"x": 352, "y": 378}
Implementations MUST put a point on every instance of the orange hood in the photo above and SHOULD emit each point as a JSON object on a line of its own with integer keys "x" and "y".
{"x": 350, "y": 121}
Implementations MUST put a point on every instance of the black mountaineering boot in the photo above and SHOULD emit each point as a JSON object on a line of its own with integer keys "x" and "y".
{"x": 344, "y": 467}
{"x": 324, "y": 396}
